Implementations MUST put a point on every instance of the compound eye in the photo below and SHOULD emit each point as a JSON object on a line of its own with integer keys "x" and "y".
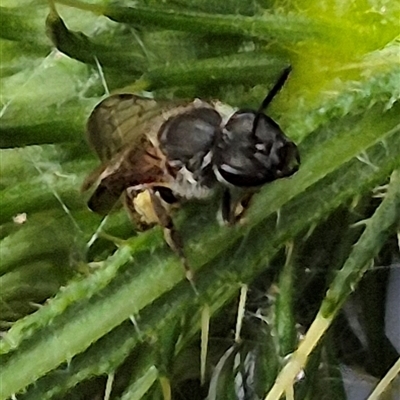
{"x": 289, "y": 160}
{"x": 188, "y": 137}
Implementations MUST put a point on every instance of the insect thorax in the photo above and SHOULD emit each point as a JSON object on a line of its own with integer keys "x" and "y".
{"x": 187, "y": 186}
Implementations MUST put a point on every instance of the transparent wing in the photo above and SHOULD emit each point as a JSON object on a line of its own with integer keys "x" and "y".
{"x": 118, "y": 121}
{"x": 117, "y": 128}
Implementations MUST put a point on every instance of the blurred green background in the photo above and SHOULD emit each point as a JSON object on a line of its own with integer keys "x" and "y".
{"x": 94, "y": 310}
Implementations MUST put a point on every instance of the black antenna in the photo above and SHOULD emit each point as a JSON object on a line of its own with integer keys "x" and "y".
{"x": 270, "y": 96}
{"x": 277, "y": 87}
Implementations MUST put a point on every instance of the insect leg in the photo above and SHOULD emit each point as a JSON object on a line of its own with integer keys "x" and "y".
{"x": 234, "y": 209}
{"x": 226, "y": 206}
{"x": 172, "y": 236}
{"x": 242, "y": 206}
{"x": 139, "y": 219}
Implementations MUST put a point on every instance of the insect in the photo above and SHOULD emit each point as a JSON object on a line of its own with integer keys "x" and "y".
{"x": 158, "y": 154}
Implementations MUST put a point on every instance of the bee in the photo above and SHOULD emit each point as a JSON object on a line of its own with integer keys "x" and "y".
{"x": 155, "y": 155}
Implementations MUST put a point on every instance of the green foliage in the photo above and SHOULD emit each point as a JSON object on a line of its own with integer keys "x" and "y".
{"x": 83, "y": 298}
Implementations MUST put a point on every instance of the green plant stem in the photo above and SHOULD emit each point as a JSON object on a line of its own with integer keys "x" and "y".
{"x": 217, "y": 281}
{"x": 378, "y": 228}
{"x": 325, "y": 157}
{"x": 292, "y": 28}
{"x": 285, "y": 323}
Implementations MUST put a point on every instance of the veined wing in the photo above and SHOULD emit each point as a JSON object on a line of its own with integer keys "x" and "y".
{"x": 119, "y": 121}
{"x": 122, "y": 130}
{"x": 117, "y": 129}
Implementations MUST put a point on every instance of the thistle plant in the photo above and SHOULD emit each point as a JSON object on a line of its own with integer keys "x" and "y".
{"x": 93, "y": 309}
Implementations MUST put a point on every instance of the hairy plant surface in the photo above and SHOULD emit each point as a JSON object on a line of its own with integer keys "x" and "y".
{"x": 93, "y": 309}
